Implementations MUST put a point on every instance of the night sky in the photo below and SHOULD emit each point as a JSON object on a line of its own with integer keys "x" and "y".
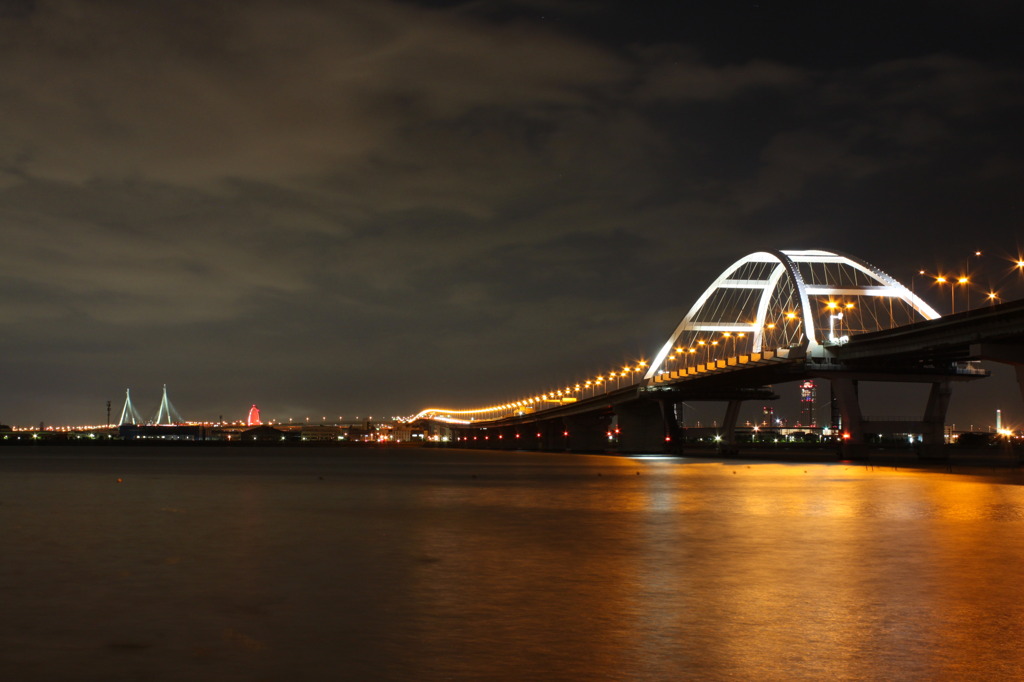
{"x": 354, "y": 208}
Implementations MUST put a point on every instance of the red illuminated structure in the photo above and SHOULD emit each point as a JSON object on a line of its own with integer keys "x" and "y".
{"x": 254, "y": 416}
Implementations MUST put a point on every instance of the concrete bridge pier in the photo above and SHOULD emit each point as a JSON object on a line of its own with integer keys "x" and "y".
{"x": 537, "y": 436}
{"x": 847, "y": 395}
{"x": 934, "y": 427}
{"x": 673, "y": 431}
{"x": 468, "y": 437}
{"x": 507, "y": 438}
{"x": 588, "y": 432}
{"x": 726, "y": 434}
{"x": 727, "y": 445}
{"x": 642, "y": 426}
{"x": 553, "y": 436}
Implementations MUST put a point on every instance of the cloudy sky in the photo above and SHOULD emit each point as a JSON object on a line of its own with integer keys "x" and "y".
{"x": 345, "y": 208}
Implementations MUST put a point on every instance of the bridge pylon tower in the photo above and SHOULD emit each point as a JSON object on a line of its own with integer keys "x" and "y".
{"x": 129, "y": 415}
{"x": 167, "y": 411}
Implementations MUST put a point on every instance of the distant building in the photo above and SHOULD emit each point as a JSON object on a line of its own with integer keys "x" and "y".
{"x": 254, "y": 416}
{"x": 396, "y": 434}
{"x": 263, "y": 433}
{"x": 807, "y": 395}
{"x": 321, "y": 432}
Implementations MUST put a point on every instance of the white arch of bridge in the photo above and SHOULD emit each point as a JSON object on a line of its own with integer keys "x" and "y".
{"x": 785, "y": 298}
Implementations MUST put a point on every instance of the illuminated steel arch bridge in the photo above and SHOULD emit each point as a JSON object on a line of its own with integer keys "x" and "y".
{"x": 785, "y": 299}
{"x": 770, "y": 317}
{"x": 768, "y": 301}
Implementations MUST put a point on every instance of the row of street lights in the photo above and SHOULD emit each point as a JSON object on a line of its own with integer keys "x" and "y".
{"x": 542, "y": 400}
{"x": 706, "y": 349}
{"x": 605, "y": 380}
{"x": 964, "y": 282}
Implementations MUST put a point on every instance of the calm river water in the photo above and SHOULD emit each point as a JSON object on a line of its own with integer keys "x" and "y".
{"x": 213, "y": 564}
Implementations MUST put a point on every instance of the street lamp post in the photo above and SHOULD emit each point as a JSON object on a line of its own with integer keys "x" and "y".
{"x": 913, "y": 283}
{"x": 767, "y": 337}
{"x": 790, "y": 317}
{"x": 1018, "y": 265}
{"x": 965, "y": 279}
{"x": 940, "y": 279}
{"x": 680, "y": 357}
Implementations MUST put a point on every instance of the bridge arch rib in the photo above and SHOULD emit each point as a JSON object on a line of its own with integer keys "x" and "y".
{"x": 779, "y": 299}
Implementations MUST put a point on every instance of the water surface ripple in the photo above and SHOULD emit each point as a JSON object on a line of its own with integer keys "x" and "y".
{"x": 207, "y": 564}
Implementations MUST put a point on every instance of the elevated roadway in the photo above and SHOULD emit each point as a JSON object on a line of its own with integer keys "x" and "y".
{"x": 991, "y": 333}
{"x": 641, "y": 417}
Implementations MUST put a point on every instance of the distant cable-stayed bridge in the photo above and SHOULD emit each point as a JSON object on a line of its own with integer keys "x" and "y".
{"x": 166, "y": 414}
{"x": 770, "y": 318}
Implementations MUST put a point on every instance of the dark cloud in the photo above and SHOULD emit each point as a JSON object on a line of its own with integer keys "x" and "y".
{"x": 363, "y": 207}
{"x": 16, "y": 9}
{"x": 194, "y": 93}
